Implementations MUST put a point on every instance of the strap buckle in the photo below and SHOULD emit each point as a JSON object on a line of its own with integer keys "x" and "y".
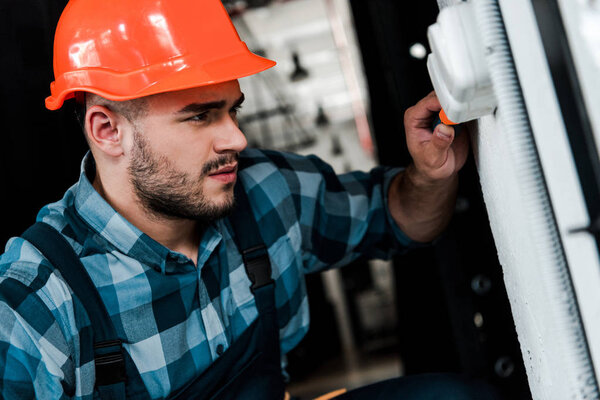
{"x": 110, "y": 362}
{"x": 258, "y": 266}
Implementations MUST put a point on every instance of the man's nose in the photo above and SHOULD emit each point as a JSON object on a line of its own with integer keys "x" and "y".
{"x": 230, "y": 138}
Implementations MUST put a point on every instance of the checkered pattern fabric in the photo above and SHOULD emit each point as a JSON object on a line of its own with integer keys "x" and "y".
{"x": 172, "y": 315}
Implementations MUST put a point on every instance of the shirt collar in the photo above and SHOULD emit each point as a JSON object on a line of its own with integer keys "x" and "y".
{"x": 127, "y": 238}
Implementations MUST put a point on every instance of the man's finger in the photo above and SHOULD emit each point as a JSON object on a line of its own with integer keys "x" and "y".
{"x": 440, "y": 143}
{"x": 427, "y": 107}
{"x": 444, "y": 134}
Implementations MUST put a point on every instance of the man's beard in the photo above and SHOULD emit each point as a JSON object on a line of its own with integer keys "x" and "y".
{"x": 166, "y": 192}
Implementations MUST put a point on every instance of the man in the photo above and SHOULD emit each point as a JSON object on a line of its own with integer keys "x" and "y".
{"x": 178, "y": 269}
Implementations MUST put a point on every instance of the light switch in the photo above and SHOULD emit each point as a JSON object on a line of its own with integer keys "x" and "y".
{"x": 457, "y": 64}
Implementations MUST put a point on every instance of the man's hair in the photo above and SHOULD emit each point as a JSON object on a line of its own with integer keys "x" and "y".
{"x": 132, "y": 110}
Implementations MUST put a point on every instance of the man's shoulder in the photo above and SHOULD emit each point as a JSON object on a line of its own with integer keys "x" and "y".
{"x": 253, "y": 157}
{"x": 32, "y": 295}
{"x": 33, "y": 289}
{"x": 25, "y": 263}
{"x": 261, "y": 162}
{"x": 22, "y": 261}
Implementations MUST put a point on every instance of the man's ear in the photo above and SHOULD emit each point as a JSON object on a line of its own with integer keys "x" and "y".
{"x": 104, "y": 130}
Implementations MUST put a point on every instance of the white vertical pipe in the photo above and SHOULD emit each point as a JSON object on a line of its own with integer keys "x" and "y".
{"x": 570, "y": 371}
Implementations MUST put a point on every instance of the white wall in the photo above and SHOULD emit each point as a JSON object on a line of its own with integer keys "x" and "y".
{"x": 549, "y": 343}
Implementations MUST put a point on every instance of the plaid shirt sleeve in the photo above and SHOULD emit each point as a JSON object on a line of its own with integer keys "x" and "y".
{"x": 341, "y": 217}
{"x": 36, "y": 344}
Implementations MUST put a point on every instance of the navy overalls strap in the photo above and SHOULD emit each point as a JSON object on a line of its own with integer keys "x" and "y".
{"x": 248, "y": 239}
{"x": 112, "y": 363}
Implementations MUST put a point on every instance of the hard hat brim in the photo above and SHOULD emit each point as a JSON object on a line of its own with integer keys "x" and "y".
{"x": 183, "y": 74}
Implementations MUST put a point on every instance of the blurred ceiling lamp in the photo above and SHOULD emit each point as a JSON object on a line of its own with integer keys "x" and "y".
{"x": 322, "y": 119}
{"x": 237, "y": 7}
{"x": 299, "y": 71}
{"x": 418, "y": 51}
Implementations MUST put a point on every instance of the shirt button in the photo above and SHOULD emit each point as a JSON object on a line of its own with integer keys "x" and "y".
{"x": 220, "y": 349}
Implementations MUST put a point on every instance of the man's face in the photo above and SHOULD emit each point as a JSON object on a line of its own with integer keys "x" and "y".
{"x": 183, "y": 162}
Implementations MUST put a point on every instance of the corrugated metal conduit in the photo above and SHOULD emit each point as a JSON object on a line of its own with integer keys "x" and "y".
{"x": 568, "y": 340}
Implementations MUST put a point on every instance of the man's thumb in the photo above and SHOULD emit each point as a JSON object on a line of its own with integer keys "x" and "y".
{"x": 441, "y": 140}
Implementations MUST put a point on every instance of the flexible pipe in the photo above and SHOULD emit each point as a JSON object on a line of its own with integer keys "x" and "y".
{"x": 565, "y": 341}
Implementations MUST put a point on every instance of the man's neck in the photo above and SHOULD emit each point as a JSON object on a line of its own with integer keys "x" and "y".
{"x": 179, "y": 235}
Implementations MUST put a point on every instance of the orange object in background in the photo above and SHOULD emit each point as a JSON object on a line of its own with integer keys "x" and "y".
{"x": 444, "y": 118}
{"x": 123, "y": 50}
{"x": 332, "y": 395}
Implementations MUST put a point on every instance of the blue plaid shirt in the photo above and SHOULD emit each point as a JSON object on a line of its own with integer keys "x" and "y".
{"x": 172, "y": 315}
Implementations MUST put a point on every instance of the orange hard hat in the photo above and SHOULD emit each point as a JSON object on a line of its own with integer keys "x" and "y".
{"x": 126, "y": 49}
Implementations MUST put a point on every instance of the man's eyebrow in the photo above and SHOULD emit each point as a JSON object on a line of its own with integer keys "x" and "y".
{"x": 196, "y": 108}
{"x": 201, "y": 107}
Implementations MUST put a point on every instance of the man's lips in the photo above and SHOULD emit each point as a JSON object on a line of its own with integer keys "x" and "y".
{"x": 225, "y": 170}
{"x": 226, "y": 174}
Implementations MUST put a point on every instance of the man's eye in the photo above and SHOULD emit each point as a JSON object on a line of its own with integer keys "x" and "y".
{"x": 199, "y": 117}
{"x": 235, "y": 110}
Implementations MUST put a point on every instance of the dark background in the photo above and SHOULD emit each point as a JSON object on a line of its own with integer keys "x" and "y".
{"x": 41, "y": 150}
{"x": 440, "y": 288}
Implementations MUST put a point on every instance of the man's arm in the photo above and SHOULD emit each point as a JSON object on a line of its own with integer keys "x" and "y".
{"x": 421, "y": 199}
{"x": 28, "y": 367}
{"x": 36, "y": 357}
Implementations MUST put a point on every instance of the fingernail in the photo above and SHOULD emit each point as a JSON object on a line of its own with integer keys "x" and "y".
{"x": 444, "y": 132}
